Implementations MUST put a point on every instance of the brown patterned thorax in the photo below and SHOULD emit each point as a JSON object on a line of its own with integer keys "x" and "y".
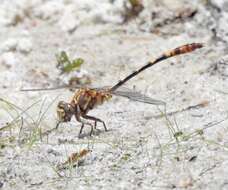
{"x": 87, "y": 98}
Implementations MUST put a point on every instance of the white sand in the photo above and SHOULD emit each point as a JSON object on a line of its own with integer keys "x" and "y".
{"x": 139, "y": 151}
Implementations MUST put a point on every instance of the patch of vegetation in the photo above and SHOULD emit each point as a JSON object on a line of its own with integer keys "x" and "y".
{"x": 65, "y": 64}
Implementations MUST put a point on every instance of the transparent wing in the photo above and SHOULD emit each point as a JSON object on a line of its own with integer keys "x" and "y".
{"x": 133, "y": 95}
{"x": 52, "y": 88}
{"x": 137, "y": 96}
{"x": 71, "y": 87}
{"x": 122, "y": 91}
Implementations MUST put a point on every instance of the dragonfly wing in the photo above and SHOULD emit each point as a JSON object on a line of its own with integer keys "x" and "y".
{"x": 52, "y": 88}
{"x": 137, "y": 96}
{"x": 62, "y": 87}
{"x": 122, "y": 91}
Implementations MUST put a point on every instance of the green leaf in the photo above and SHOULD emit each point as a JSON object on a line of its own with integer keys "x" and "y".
{"x": 62, "y": 58}
{"x": 73, "y": 65}
{"x": 65, "y": 64}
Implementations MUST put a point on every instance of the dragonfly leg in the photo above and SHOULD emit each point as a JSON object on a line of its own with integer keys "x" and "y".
{"x": 81, "y": 128}
{"x": 96, "y": 120}
{"x": 77, "y": 117}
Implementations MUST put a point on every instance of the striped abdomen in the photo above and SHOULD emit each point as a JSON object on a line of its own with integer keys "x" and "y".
{"x": 183, "y": 49}
{"x": 177, "y": 51}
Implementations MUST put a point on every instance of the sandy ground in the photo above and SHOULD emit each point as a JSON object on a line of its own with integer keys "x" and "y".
{"x": 146, "y": 147}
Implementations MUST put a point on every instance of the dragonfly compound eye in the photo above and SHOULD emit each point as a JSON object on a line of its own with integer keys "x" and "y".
{"x": 64, "y": 111}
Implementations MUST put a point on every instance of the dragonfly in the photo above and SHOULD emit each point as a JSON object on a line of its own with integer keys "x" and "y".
{"x": 86, "y": 99}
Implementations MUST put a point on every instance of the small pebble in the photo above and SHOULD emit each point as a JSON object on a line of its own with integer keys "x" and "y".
{"x": 54, "y": 152}
{"x": 69, "y": 21}
{"x": 9, "y": 45}
{"x": 49, "y": 10}
{"x": 8, "y": 59}
{"x": 24, "y": 45}
{"x": 185, "y": 182}
{"x": 218, "y": 3}
{"x": 1, "y": 184}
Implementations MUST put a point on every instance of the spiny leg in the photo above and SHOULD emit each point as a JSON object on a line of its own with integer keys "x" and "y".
{"x": 95, "y": 124}
{"x": 81, "y": 128}
{"x": 77, "y": 117}
{"x": 96, "y": 120}
{"x": 57, "y": 125}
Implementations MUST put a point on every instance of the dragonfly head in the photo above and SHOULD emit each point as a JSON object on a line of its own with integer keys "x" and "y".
{"x": 64, "y": 111}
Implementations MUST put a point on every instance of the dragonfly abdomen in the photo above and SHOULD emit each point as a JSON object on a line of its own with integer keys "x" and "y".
{"x": 183, "y": 49}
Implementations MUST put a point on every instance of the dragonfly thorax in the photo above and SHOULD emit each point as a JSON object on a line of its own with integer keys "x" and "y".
{"x": 87, "y": 99}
